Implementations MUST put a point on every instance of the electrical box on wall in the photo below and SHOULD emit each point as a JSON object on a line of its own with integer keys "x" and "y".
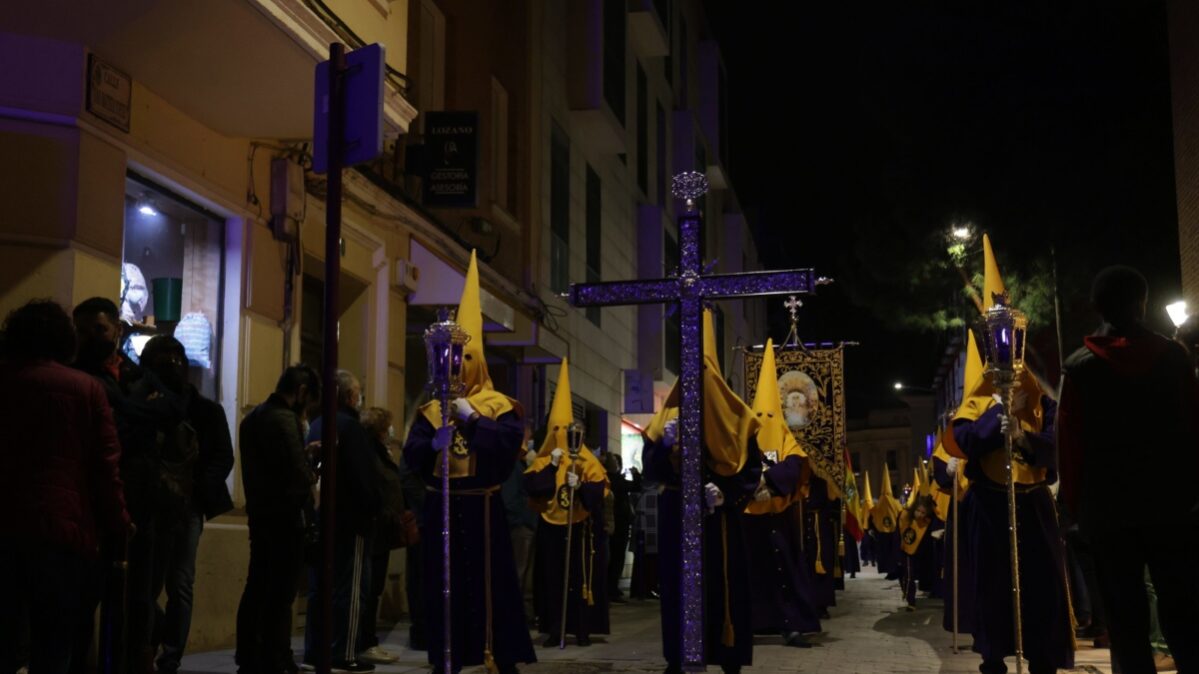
{"x": 407, "y": 276}
{"x": 287, "y": 197}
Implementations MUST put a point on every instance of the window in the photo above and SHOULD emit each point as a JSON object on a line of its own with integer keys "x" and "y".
{"x": 595, "y": 427}
{"x": 430, "y": 67}
{"x": 855, "y": 458}
{"x": 499, "y": 144}
{"x": 642, "y": 132}
{"x": 594, "y": 239}
{"x": 660, "y": 160}
{"x": 312, "y": 321}
{"x": 559, "y": 210}
{"x": 174, "y": 257}
{"x": 614, "y": 54}
{"x": 673, "y": 328}
{"x": 892, "y": 460}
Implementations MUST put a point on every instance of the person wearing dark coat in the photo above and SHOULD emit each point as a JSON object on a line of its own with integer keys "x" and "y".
{"x": 359, "y": 503}
{"x": 177, "y": 542}
{"x": 60, "y": 490}
{"x": 946, "y": 469}
{"x": 622, "y": 521}
{"x": 820, "y": 514}
{"x": 483, "y": 442}
{"x": 278, "y": 481}
{"x": 1129, "y": 415}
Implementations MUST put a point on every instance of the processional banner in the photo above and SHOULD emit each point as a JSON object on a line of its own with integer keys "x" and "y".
{"x": 812, "y": 392}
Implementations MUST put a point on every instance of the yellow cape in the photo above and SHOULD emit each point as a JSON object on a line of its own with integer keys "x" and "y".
{"x": 885, "y": 513}
{"x": 553, "y": 510}
{"x": 911, "y": 532}
{"x": 728, "y": 423}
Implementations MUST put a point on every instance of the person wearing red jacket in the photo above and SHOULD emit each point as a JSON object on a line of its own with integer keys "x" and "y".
{"x": 60, "y": 489}
{"x": 1127, "y": 421}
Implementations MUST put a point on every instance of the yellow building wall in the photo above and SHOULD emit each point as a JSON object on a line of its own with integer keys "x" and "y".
{"x": 383, "y": 21}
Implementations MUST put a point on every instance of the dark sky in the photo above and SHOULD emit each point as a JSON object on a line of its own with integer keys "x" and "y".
{"x": 859, "y": 129}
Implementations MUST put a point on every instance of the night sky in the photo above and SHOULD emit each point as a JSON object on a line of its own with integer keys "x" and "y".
{"x": 860, "y": 133}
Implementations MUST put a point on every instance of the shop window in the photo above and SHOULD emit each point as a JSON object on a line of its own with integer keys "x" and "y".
{"x": 171, "y": 278}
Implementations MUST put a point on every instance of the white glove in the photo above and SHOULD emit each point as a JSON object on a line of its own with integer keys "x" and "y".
{"x": 443, "y": 438}
{"x": 670, "y": 434}
{"x": 938, "y": 534}
{"x": 461, "y": 409}
{"x": 953, "y": 465}
{"x": 530, "y": 456}
{"x": 556, "y": 456}
{"x": 713, "y": 497}
{"x": 1007, "y": 427}
{"x": 572, "y": 480}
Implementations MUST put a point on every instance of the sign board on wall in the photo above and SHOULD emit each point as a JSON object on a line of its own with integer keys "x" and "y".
{"x": 452, "y": 159}
{"x": 109, "y": 93}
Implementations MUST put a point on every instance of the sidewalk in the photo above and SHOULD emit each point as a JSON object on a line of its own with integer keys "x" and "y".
{"x": 869, "y": 632}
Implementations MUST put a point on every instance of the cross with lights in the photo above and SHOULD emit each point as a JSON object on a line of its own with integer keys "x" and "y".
{"x": 690, "y": 287}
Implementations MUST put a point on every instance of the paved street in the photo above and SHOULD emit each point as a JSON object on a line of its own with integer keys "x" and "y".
{"x": 868, "y": 632}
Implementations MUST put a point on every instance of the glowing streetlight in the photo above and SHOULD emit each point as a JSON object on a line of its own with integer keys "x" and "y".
{"x": 961, "y": 232}
{"x": 898, "y": 386}
{"x": 1178, "y": 312}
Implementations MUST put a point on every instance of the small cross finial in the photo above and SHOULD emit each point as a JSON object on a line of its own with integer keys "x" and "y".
{"x": 793, "y": 304}
{"x": 689, "y": 186}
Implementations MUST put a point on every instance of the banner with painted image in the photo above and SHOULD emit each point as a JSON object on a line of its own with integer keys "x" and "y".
{"x": 812, "y": 392}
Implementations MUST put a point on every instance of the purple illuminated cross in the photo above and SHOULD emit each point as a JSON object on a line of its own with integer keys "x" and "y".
{"x": 690, "y": 288}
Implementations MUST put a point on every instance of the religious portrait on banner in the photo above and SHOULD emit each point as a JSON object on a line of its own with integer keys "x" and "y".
{"x": 812, "y": 392}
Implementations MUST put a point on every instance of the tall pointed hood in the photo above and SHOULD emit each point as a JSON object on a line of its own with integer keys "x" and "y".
{"x": 775, "y": 440}
{"x": 553, "y": 510}
{"x": 867, "y": 497}
{"x": 480, "y": 392}
{"x": 728, "y": 423}
{"x": 885, "y": 514}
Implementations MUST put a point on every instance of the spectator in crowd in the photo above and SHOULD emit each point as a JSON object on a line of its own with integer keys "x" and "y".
{"x": 622, "y": 523}
{"x": 414, "y": 574}
{"x": 1128, "y": 420}
{"x": 278, "y": 482}
{"x": 358, "y": 506}
{"x": 381, "y": 434}
{"x": 522, "y": 521}
{"x": 60, "y": 489}
{"x": 205, "y": 497}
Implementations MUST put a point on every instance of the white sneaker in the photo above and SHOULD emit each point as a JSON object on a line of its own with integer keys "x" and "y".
{"x": 378, "y": 655}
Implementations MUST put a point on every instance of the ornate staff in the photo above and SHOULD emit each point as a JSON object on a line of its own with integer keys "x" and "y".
{"x": 1003, "y": 330}
{"x": 444, "y": 342}
{"x": 574, "y": 440}
{"x": 954, "y": 477}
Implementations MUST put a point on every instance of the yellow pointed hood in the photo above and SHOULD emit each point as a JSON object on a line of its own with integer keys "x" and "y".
{"x": 867, "y": 497}
{"x": 480, "y": 392}
{"x": 553, "y": 510}
{"x": 728, "y": 423}
{"x": 775, "y": 440}
{"x": 885, "y": 514}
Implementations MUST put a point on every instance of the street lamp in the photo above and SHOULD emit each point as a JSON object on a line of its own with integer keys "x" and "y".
{"x": 900, "y": 386}
{"x": 961, "y": 232}
{"x": 1178, "y": 312}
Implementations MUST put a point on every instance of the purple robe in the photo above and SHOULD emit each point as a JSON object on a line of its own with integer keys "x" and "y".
{"x": 496, "y": 446}
{"x": 589, "y": 554}
{"x": 922, "y": 569}
{"x": 780, "y": 584}
{"x": 850, "y": 563}
{"x": 723, "y": 542}
{"x": 1046, "y": 611}
{"x": 965, "y": 572}
{"x": 867, "y": 555}
{"x": 818, "y": 512}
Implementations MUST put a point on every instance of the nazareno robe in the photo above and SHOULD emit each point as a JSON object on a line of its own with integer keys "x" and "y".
{"x": 820, "y": 543}
{"x": 495, "y": 446}
{"x": 965, "y": 569}
{"x": 724, "y": 558}
{"x": 780, "y": 583}
{"x": 588, "y": 561}
{"x": 1048, "y": 633}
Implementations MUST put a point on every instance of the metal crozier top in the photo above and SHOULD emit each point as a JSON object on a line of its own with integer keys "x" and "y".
{"x": 689, "y": 186}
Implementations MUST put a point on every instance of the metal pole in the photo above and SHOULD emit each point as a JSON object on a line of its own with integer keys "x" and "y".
{"x": 447, "y": 623}
{"x": 956, "y": 568}
{"x": 337, "y": 68}
{"x": 570, "y": 519}
{"x": 1007, "y": 389}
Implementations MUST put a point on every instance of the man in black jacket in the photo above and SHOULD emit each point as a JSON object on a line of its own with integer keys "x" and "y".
{"x": 358, "y": 505}
{"x": 1127, "y": 425}
{"x": 206, "y": 496}
{"x": 278, "y": 482}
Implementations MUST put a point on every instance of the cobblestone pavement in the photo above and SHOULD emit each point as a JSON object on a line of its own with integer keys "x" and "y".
{"x": 868, "y": 632}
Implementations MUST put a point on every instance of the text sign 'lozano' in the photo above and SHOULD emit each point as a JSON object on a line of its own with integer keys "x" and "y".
{"x": 363, "y": 88}
{"x": 109, "y": 93}
{"x": 452, "y": 159}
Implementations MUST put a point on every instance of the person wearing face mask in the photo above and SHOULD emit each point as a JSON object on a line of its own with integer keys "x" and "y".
{"x": 359, "y": 504}
{"x": 732, "y": 470}
{"x": 193, "y": 486}
{"x": 483, "y": 440}
{"x": 278, "y": 483}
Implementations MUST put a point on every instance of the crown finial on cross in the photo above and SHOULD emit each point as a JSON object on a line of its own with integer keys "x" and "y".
{"x": 689, "y": 186}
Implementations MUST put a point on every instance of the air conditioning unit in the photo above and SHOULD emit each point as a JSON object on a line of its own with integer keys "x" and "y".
{"x": 407, "y": 276}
